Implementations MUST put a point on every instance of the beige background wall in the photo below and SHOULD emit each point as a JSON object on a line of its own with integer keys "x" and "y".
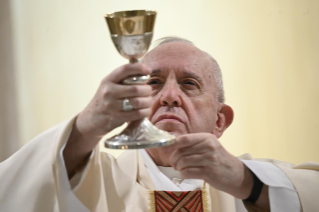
{"x": 9, "y": 133}
{"x": 268, "y": 51}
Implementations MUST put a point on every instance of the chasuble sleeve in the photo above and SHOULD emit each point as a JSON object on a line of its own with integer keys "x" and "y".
{"x": 34, "y": 179}
{"x": 304, "y": 178}
{"x": 282, "y": 194}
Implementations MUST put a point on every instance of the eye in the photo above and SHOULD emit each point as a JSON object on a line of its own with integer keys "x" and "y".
{"x": 153, "y": 81}
{"x": 189, "y": 82}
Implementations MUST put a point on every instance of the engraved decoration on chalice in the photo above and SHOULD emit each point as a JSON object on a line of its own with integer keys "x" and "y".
{"x": 132, "y": 32}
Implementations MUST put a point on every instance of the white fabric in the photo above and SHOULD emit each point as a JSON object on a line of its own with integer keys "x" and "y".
{"x": 68, "y": 201}
{"x": 75, "y": 180}
{"x": 160, "y": 181}
{"x": 34, "y": 179}
{"x": 160, "y": 174}
{"x": 282, "y": 194}
{"x": 183, "y": 184}
{"x": 170, "y": 172}
{"x": 173, "y": 184}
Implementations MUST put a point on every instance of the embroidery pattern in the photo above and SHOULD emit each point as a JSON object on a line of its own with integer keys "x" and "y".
{"x": 171, "y": 201}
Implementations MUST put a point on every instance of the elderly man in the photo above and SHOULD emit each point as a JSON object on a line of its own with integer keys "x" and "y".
{"x": 185, "y": 97}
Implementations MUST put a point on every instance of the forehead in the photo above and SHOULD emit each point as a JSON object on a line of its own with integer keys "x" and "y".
{"x": 180, "y": 56}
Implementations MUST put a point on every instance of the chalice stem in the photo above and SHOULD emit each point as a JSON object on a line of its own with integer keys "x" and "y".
{"x": 133, "y": 60}
{"x": 132, "y": 32}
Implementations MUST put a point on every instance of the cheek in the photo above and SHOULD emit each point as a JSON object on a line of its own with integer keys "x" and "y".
{"x": 155, "y": 106}
{"x": 202, "y": 116}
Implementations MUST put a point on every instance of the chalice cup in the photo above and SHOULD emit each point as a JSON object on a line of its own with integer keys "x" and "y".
{"x": 132, "y": 32}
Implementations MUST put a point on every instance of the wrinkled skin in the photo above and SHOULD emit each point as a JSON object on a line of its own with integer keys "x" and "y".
{"x": 104, "y": 112}
{"x": 184, "y": 103}
{"x": 184, "y": 93}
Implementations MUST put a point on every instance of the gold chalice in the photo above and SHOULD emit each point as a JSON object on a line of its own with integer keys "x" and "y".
{"x": 132, "y": 33}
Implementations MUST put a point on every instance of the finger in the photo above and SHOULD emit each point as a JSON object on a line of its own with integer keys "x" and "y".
{"x": 197, "y": 160}
{"x": 203, "y": 146}
{"x": 193, "y": 173}
{"x": 136, "y": 114}
{"x": 137, "y": 103}
{"x": 186, "y": 141}
{"x": 141, "y": 102}
{"x": 206, "y": 144}
{"x": 127, "y": 70}
{"x": 127, "y": 91}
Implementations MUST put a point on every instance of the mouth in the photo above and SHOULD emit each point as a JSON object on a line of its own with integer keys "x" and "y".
{"x": 168, "y": 118}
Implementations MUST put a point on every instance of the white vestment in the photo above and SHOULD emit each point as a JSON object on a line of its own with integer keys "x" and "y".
{"x": 35, "y": 180}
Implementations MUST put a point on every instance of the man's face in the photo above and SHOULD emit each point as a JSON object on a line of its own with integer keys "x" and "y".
{"x": 184, "y": 89}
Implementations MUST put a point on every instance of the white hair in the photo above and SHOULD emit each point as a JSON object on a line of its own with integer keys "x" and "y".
{"x": 216, "y": 69}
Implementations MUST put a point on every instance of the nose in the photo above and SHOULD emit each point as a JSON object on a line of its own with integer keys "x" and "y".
{"x": 171, "y": 95}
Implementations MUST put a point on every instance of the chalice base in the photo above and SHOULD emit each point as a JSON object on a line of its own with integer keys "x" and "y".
{"x": 140, "y": 134}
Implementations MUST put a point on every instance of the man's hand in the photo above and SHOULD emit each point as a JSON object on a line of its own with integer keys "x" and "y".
{"x": 105, "y": 112}
{"x": 201, "y": 156}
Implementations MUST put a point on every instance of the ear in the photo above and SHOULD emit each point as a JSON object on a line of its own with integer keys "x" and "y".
{"x": 225, "y": 117}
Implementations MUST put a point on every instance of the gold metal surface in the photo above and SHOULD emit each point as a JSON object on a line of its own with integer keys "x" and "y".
{"x": 132, "y": 22}
{"x": 132, "y": 33}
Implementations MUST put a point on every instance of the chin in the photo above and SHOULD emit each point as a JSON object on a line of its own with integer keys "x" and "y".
{"x": 175, "y": 129}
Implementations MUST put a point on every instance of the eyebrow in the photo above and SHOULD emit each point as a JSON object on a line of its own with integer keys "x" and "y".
{"x": 184, "y": 72}
{"x": 157, "y": 71}
{"x": 193, "y": 75}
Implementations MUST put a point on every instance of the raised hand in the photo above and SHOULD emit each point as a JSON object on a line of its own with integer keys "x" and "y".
{"x": 105, "y": 112}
